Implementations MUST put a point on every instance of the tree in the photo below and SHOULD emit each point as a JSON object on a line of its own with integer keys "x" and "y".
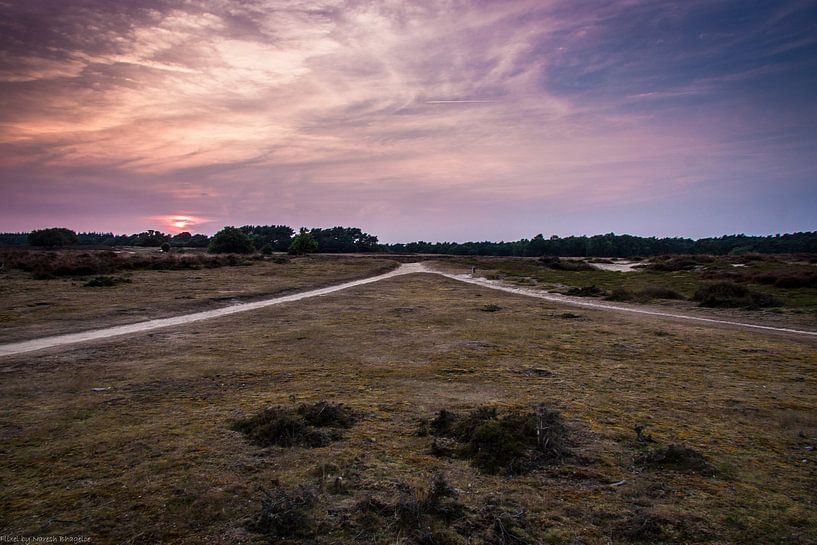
{"x": 230, "y": 241}
{"x": 182, "y": 239}
{"x": 53, "y": 237}
{"x": 279, "y": 237}
{"x": 150, "y": 238}
{"x": 303, "y": 243}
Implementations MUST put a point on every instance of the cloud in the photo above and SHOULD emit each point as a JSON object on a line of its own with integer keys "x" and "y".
{"x": 364, "y": 110}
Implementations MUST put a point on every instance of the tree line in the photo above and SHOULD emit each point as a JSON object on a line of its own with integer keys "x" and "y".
{"x": 282, "y": 238}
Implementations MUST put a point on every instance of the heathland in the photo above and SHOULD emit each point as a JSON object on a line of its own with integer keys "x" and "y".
{"x": 418, "y": 409}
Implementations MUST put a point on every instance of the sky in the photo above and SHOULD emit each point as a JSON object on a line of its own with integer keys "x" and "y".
{"x": 423, "y": 120}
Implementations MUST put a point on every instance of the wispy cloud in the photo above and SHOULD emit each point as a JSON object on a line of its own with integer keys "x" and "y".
{"x": 361, "y": 111}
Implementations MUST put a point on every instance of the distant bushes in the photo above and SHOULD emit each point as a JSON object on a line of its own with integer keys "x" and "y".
{"x": 44, "y": 265}
{"x": 646, "y": 294}
{"x": 586, "y": 291}
{"x": 731, "y": 295}
{"x": 105, "y": 281}
{"x": 677, "y": 263}
{"x": 780, "y": 278}
{"x": 557, "y": 264}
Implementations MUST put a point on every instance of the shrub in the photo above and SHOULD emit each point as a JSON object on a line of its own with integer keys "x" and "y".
{"x": 677, "y": 457}
{"x": 586, "y": 291}
{"x": 512, "y": 443}
{"x": 72, "y": 263}
{"x": 677, "y": 263}
{"x": 621, "y": 294}
{"x": 565, "y": 264}
{"x": 105, "y": 281}
{"x": 284, "y": 512}
{"x": 491, "y": 308}
{"x": 165, "y": 247}
{"x": 647, "y": 294}
{"x": 657, "y": 292}
{"x": 231, "y": 241}
{"x": 731, "y": 295}
{"x": 299, "y": 426}
{"x": 423, "y": 515}
{"x": 266, "y": 249}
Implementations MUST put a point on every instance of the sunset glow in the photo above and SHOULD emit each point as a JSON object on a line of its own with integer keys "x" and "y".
{"x": 414, "y": 120}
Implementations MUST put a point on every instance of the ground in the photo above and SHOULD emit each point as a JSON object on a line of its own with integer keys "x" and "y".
{"x": 132, "y": 440}
{"x": 37, "y": 308}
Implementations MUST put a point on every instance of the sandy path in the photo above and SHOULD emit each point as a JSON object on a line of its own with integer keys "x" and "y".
{"x": 581, "y": 302}
{"x": 407, "y": 268}
{"x": 139, "y": 327}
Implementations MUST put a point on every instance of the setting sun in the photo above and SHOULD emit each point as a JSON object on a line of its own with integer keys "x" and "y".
{"x": 178, "y": 223}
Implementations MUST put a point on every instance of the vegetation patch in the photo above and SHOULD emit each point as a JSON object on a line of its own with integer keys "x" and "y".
{"x": 731, "y": 295}
{"x": 677, "y": 263}
{"x": 511, "y": 443}
{"x": 106, "y": 281}
{"x": 44, "y": 265}
{"x": 315, "y": 425}
{"x": 652, "y": 525}
{"x": 677, "y": 458}
{"x": 425, "y": 517}
{"x": 491, "y": 308}
{"x": 586, "y": 291}
{"x": 644, "y": 295}
{"x": 556, "y": 264}
{"x": 285, "y": 512}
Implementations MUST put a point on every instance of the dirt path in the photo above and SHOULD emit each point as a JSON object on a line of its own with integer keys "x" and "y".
{"x": 139, "y": 327}
{"x": 617, "y": 307}
{"x": 407, "y": 268}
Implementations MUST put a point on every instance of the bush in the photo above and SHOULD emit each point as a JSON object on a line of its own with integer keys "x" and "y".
{"x": 511, "y": 443}
{"x": 647, "y": 294}
{"x": 45, "y": 265}
{"x": 165, "y": 247}
{"x": 657, "y": 292}
{"x": 678, "y": 458}
{"x": 565, "y": 264}
{"x": 731, "y": 295}
{"x": 297, "y": 427}
{"x": 586, "y": 291}
{"x": 231, "y": 241}
{"x": 266, "y": 249}
{"x": 677, "y": 263}
{"x": 105, "y": 281}
{"x": 285, "y": 512}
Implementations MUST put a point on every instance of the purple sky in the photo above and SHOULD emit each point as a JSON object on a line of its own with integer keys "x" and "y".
{"x": 435, "y": 120}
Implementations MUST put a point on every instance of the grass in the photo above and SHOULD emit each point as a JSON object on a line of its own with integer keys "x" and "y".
{"x": 155, "y": 459}
{"x": 674, "y": 282}
{"x": 38, "y": 308}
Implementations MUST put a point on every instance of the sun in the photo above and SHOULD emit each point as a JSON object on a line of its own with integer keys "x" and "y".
{"x": 179, "y": 222}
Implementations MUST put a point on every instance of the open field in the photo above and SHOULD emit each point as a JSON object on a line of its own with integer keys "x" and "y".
{"x": 35, "y": 308}
{"x": 797, "y": 305}
{"x": 151, "y": 455}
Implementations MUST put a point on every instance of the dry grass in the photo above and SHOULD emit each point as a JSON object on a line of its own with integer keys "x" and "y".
{"x": 154, "y": 459}
{"x": 37, "y": 308}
